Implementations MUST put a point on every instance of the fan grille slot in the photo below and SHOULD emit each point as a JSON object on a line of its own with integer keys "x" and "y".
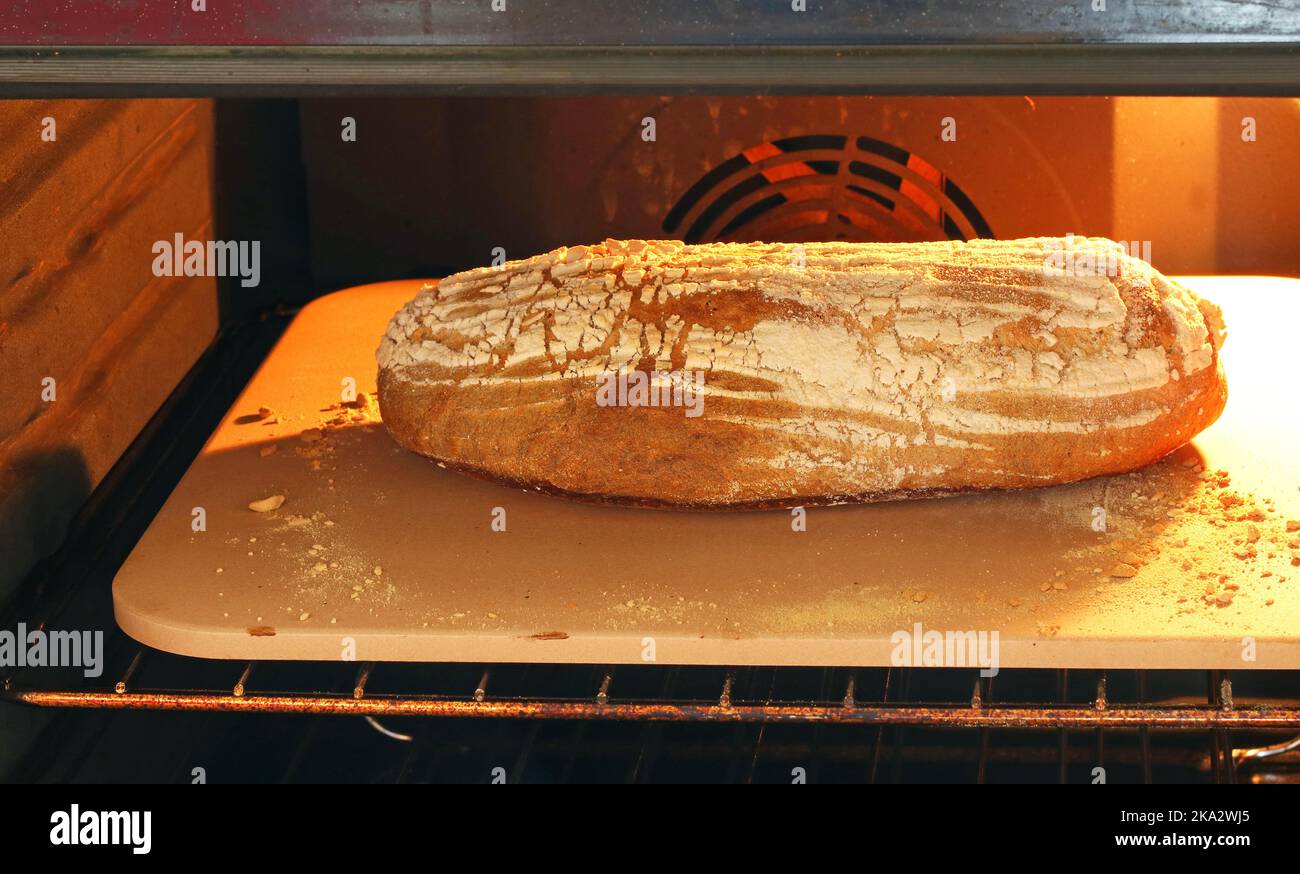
{"x": 825, "y": 187}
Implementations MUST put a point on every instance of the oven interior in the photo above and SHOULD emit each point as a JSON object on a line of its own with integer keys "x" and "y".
{"x": 145, "y": 368}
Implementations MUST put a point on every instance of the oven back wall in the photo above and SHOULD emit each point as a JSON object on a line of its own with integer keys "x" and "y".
{"x": 91, "y": 341}
{"x": 433, "y": 185}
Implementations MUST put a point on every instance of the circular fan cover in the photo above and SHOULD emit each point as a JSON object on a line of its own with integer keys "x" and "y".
{"x": 825, "y": 187}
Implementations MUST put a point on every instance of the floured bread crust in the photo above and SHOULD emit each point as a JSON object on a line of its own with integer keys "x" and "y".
{"x": 832, "y": 372}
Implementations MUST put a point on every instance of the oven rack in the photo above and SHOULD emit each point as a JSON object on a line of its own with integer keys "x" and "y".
{"x": 1233, "y": 734}
{"x": 348, "y": 688}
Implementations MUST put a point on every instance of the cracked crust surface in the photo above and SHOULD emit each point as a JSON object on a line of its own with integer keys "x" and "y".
{"x": 833, "y": 372}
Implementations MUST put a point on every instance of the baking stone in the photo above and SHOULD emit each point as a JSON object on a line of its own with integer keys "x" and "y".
{"x": 379, "y": 555}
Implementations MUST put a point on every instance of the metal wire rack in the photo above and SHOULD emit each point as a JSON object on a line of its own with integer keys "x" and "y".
{"x": 1218, "y": 710}
{"x": 1114, "y": 713}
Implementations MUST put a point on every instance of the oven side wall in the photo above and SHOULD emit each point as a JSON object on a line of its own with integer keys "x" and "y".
{"x": 91, "y": 341}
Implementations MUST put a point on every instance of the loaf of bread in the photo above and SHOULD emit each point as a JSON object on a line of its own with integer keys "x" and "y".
{"x": 727, "y": 376}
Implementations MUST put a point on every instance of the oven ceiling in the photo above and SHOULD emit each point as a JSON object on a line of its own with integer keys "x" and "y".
{"x": 650, "y": 22}
{"x": 158, "y": 47}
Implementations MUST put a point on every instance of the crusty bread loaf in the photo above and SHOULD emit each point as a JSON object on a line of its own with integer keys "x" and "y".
{"x": 831, "y": 372}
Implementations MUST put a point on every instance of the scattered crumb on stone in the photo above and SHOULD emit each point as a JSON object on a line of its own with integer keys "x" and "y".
{"x": 266, "y": 505}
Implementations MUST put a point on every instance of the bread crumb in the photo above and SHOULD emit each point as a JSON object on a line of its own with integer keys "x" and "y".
{"x": 1124, "y": 570}
{"x": 266, "y": 505}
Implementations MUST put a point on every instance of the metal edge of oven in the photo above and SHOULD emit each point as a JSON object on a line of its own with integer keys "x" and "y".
{"x": 1258, "y": 69}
